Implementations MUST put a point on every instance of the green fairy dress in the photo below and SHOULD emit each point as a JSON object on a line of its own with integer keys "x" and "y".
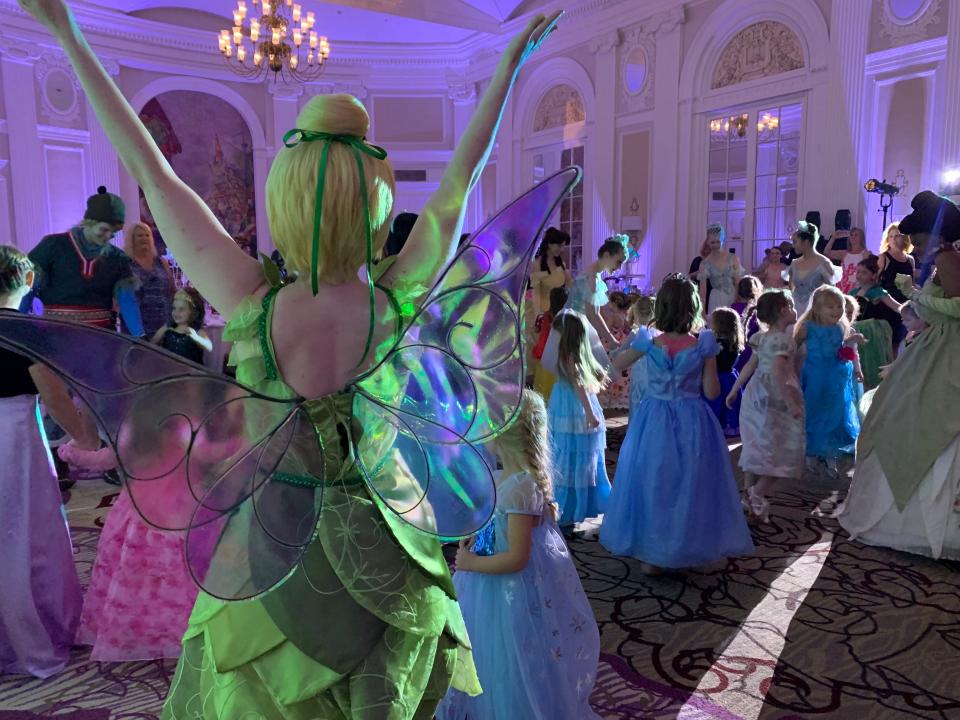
{"x": 367, "y": 626}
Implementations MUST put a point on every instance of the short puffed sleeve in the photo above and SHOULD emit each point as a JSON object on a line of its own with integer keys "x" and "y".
{"x": 642, "y": 340}
{"x": 707, "y": 343}
{"x": 520, "y": 494}
{"x": 779, "y": 344}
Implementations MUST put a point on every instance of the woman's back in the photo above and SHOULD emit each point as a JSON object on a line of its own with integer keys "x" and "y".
{"x": 319, "y": 341}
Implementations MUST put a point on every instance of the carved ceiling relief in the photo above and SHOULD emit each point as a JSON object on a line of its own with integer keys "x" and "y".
{"x": 59, "y": 98}
{"x": 637, "y": 62}
{"x": 562, "y": 105}
{"x": 907, "y": 21}
{"x": 760, "y": 50}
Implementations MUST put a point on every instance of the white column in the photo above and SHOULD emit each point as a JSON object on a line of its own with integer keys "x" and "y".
{"x": 286, "y": 107}
{"x": 601, "y": 166}
{"x": 6, "y": 222}
{"x": 104, "y": 164}
{"x": 26, "y": 155}
{"x": 261, "y": 168}
{"x": 666, "y": 248}
{"x": 464, "y": 97}
{"x": 950, "y": 119}
{"x": 505, "y": 150}
{"x": 843, "y": 156}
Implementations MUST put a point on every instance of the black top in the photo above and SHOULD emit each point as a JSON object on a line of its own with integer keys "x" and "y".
{"x": 727, "y": 358}
{"x": 15, "y": 377}
{"x": 182, "y": 345}
{"x": 695, "y": 267}
{"x": 73, "y": 271}
{"x": 873, "y": 308}
{"x": 888, "y": 277}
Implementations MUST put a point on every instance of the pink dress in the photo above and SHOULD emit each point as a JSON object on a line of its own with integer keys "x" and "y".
{"x": 141, "y": 593}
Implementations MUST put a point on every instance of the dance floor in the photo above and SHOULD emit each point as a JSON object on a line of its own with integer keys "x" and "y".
{"x": 811, "y": 626}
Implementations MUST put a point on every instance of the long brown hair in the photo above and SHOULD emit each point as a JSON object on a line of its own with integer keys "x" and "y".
{"x": 727, "y": 325}
{"x": 575, "y": 361}
{"x": 678, "y": 306}
{"x": 527, "y": 442}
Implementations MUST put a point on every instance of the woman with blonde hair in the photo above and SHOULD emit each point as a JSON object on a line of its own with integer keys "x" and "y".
{"x": 366, "y": 623}
{"x": 155, "y": 281}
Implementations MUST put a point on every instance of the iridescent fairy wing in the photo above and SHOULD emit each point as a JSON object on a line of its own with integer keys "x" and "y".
{"x": 454, "y": 379}
{"x": 239, "y": 471}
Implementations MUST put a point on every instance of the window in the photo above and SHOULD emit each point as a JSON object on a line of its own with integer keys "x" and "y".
{"x": 728, "y": 176}
{"x": 571, "y": 211}
{"x": 778, "y": 165}
{"x": 754, "y": 169}
{"x": 570, "y": 215}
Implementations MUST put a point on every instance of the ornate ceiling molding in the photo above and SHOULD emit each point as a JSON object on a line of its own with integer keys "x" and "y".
{"x": 606, "y": 43}
{"x": 906, "y": 30}
{"x": 57, "y": 89}
{"x": 760, "y": 50}
{"x": 638, "y": 40}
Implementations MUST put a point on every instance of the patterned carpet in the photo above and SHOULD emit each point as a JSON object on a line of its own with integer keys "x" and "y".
{"x": 811, "y": 626}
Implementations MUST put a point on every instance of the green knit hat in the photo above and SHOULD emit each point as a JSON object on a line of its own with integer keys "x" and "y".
{"x": 105, "y": 207}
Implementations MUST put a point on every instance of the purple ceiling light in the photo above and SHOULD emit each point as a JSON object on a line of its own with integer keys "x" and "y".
{"x": 278, "y": 38}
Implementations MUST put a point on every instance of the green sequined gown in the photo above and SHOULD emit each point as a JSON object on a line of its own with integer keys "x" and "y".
{"x": 378, "y": 629}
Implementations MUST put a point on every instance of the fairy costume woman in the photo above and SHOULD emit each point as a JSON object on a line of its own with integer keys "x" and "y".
{"x": 323, "y": 512}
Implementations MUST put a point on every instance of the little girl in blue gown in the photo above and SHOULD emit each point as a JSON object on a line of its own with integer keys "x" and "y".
{"x": 535, "y": 640}
{"x": 577, "y": 430}
{"x": 675, "y": 503}
{"x": 827, "y": 380}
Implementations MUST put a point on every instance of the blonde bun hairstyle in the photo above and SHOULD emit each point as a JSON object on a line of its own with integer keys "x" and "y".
{"x": 292, "y": 189}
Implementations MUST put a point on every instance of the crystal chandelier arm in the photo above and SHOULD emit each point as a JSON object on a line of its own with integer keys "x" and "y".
{"x": 219, "y": 268}
{"x": 433, "y": 240}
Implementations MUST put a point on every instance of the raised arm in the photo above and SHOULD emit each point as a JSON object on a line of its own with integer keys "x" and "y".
{"x": 210, "y": 258}
{"x": 433, "y": 239}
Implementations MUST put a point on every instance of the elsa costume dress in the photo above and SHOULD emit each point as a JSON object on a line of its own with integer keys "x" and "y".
{"x": 905, "y": 492}
{"x": 535, "y": 640}
{"x": 675, "y": 502}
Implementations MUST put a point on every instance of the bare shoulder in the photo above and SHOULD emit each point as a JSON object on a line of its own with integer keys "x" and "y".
{"x": 948, "y": 270}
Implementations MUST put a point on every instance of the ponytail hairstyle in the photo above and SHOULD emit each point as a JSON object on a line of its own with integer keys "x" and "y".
{"x": 14, "y": 266}
{"x": 292, "y": 186}
{"x": 641, "y": 312}
{"x": 770, "y": 304}
{"x": 728, "y": 326}
{"x": 527, "y": 442}
{"x": 575, "y": 361}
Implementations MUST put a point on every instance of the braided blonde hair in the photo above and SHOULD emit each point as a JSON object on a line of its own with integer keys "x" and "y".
{"x": 14, "y": 266}
{"x": 527, "y": 443}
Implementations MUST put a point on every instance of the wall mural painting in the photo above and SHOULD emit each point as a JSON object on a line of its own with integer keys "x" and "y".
{"x": 209, "y": 146}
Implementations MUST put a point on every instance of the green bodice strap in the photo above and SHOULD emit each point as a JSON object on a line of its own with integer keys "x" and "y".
{"x": 913, "y": 416}
{"x": 367, "y": 626}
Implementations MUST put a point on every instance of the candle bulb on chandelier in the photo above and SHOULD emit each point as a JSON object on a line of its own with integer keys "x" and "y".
{"x": 237, "y": 36}
{"x": 241, "y": 53}
{"x": 313, "y": 40}
{"x": 276, "y": 36}
{"x": 257, "y": 58}
{"x": 266, "y": 7}
{"x": 324, "y": 46}
{"x": 237, "y": 18}
{"x": 296, "y": 12}
{"x": 311, "y": 18}
{"x": 293, "y": 62}
{"x": 297, "y": 37}
{"x": 254, "y": 30}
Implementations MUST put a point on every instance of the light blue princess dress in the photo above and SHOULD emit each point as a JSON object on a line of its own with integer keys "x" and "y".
{"x": 581, "y": 485}
{"x": 675, "y": 502}
{"x": 829, "y": 394}
{"x": 535, "y": 640}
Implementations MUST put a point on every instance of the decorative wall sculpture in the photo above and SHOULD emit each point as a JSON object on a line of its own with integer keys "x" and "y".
{"x": 760, "y": 50}
{"x": 906, "y": 21}
{"x": 209, "y": 146}
{"x": 561, "y": 105}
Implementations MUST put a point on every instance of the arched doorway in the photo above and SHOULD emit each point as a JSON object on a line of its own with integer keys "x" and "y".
{"x": 209, "y": 145}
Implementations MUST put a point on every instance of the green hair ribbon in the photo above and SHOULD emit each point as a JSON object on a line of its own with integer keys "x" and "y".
{"x": 358, "y": 145}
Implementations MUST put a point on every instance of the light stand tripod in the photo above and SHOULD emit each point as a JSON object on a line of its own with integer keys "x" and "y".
{"x": 886, "y": 200}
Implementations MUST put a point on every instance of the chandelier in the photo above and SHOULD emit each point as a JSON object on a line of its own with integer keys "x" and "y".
{"x": 278, "y": 38}
{"x": 720, "y": 127}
